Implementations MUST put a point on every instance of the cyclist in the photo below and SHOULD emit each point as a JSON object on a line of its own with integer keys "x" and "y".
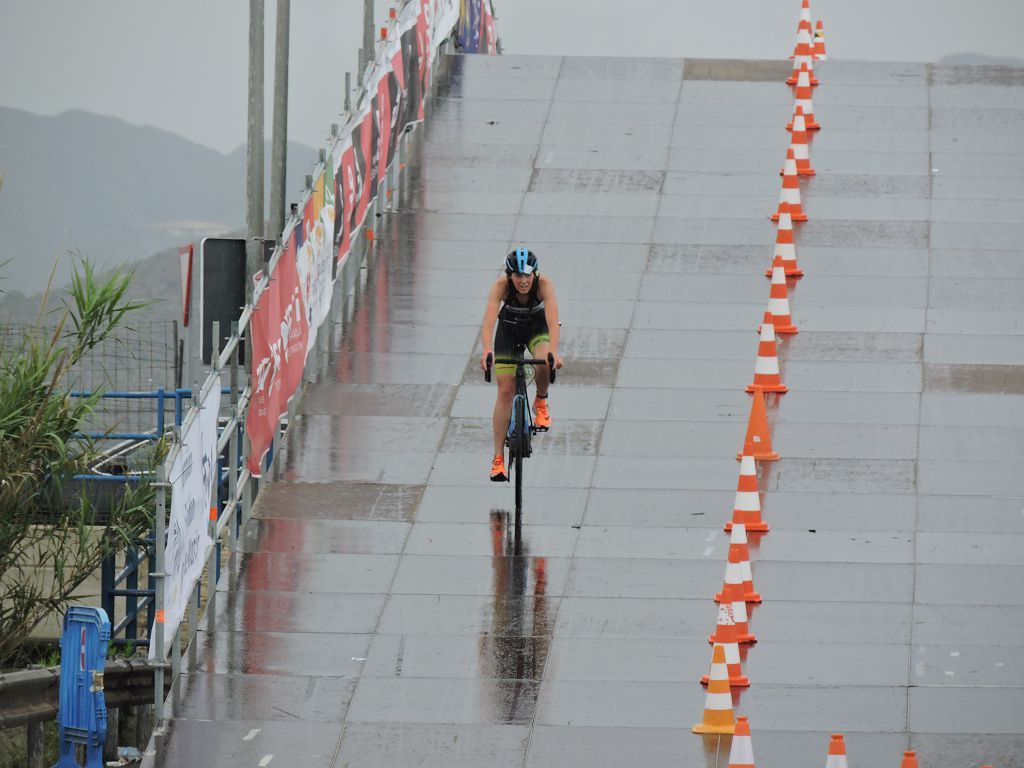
{"x": 522, "y": 304}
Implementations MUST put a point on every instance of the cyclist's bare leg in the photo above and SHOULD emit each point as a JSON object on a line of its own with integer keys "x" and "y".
{"x": 502, "y": 410}
{"x": 542, "y": 379}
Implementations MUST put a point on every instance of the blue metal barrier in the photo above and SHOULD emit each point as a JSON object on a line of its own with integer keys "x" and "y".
{"x": 82, "y": 713}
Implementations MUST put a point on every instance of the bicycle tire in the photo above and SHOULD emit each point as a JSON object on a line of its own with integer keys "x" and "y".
{"x": 521, "y": 437}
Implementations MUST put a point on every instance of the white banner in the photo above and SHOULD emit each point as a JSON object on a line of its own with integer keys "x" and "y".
{"x": 444, "y": 19}
{"x": 188, "y": 541}
{"x": 316, "y": 255}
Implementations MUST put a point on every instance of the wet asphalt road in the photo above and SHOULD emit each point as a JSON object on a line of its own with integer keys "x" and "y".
{"x": 387, "y": 615}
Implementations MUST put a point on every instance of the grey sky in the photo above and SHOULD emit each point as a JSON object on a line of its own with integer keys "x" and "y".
{"x": 182, "y": 65}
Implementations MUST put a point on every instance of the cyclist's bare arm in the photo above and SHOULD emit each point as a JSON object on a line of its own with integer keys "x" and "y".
{"x": 546, "y": 292}
{"x": 491, "y": 317}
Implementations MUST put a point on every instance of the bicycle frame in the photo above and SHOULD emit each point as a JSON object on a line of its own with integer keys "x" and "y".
{"x": 520, "y": 404}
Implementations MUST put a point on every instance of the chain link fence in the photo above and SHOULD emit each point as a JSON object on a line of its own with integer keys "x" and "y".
{"x": 143, "y": 356}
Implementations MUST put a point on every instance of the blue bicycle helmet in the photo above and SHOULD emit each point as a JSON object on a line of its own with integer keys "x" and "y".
{"x": 522, "y": 261}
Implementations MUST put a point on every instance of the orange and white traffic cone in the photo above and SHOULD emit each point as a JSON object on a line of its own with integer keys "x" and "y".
{"x": 718, "y": 714}
{"x": 790, "y": 194}
{"x": 747, "y": 507}
{"x": 739, "y": 558}
{"x": 803, "y": 101}
{"x": 778, "y": 301}
{"x": 819, "y": 42}
{"x": 758, "y": 439}
{"x": 909, "y": 760}
{"x": 803, "y": 54}
{"x": 725, "y": 634}
{"x": 785, "y": 246}
{"x": 836, "y": 752}
{"x": 801, "y": 145}
{"x": 766, "y": 367}
{"x": 805, "y": 14}
{"x": 741, "y": 753}
{"x": 732, "y": 594}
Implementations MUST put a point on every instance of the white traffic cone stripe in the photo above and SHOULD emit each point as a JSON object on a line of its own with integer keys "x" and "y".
{"x": 747, "y": 466}
{"x": 745, "y": 572}
{"x": 739, "y": 610}
{"x": 732, "y": 653}
{"x": 836, "y": 761}
{"x": 739, "y": 530}
{"x": 742, "y": 752}
{"x": 766, "y": 365}
{"x": 778, "y": 307}
{"x": 719, "y": 700}
{"x": 745, "y": 500}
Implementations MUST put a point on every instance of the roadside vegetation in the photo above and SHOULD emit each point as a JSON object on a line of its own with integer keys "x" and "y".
{"x": 53, "y": 537}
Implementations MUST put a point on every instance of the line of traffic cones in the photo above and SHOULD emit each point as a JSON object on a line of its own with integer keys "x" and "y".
{"x": 732, "y": 627}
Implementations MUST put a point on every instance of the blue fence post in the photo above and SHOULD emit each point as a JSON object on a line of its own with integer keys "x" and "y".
{"x": 82, "y": 713}
{"x": 160, "y": 397}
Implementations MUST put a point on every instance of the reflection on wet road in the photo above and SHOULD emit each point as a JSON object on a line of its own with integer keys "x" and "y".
{"x": 387, "y": 611}
{"x": 515, "y": 649}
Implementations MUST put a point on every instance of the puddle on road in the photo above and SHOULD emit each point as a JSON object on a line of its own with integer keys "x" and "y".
{"x": 979, "y": 379}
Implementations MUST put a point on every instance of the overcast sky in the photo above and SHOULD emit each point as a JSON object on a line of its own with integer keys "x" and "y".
{"x": 182, "y": 65}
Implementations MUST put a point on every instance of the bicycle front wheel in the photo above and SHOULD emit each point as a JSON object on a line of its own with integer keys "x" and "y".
{"x": 519, "y": 486}
{"x": 523, "y": 449}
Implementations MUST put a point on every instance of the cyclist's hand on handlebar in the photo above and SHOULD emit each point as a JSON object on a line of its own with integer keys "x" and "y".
{"x": 558, "y": 361}
{"x": 483, "y": 359}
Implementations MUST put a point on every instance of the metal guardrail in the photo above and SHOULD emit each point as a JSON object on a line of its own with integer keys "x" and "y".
{"x": 31, "y": 697}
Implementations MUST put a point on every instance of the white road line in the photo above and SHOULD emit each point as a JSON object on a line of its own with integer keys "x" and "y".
{"x": 251, "y": 734}
{"x": 266, "y": 761}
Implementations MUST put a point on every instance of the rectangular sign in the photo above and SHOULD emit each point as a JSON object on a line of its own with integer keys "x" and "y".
{"x": 192, "y": 476}
{"x": 222, "y": 289}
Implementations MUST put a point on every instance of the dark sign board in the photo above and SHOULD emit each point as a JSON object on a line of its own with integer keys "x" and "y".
{"x": 222, "y": 275}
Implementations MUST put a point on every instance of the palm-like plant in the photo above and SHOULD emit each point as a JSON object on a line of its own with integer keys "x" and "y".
{"x": 50, "y": 544}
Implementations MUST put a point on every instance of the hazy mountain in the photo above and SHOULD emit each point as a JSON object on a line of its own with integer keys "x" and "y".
{"x": 112, "y": 191}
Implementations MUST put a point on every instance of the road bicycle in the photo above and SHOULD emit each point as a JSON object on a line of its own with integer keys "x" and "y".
{"x": 521, "y": 428}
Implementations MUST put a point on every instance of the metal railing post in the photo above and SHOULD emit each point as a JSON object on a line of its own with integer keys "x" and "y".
{"x": 233, "y": 457}
{"x": 110, "y": 745}
{"x": 35, "y": 745}
{"x": 158, "y": 575}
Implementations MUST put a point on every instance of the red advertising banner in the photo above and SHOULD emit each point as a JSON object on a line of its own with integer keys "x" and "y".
{"x": 279, "y": 336}
{"x": 298, "y": 293}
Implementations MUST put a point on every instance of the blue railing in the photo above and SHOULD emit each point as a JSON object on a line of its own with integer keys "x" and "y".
{"x": 126, "y": 630}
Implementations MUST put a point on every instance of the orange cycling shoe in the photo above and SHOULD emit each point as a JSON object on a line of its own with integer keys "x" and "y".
{"x": 498, "y": 474}
{"x": 543, "y": 420}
